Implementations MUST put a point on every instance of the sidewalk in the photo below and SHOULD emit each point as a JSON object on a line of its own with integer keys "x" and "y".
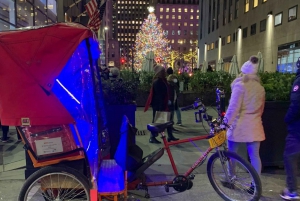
{"x": 184, "y": 155}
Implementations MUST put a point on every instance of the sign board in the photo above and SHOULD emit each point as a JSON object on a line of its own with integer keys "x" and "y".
{"x": 49, "y": 146}
{"x": 111, "y": 63}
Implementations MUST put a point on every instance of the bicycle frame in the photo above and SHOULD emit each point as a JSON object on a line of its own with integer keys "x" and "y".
{"x": 167, "y": 146}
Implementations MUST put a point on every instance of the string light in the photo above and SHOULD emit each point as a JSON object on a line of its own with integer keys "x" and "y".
{"x": 151, "y": 37}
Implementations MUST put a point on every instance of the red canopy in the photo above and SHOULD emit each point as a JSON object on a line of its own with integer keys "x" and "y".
{"x": 30, "y": 62}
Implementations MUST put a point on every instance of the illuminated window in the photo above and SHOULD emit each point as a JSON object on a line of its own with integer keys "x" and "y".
{"x": 197, "y": 17}
{"x": 191, "y": 25}
{"x": 278, "y": 19}
{"x": 173, "y": 32}
{"x": 228, "y": 39}
{"x": 173, "y": 23}
{"x": 246, "y": 6}
{"x": 185, "y": 24}
{"x": 167, "y": 9}
{"x": 179, "y": 24}
{"x": 179, "y": 10}
{"x": 212, "y": 46}
{"x": 197, "y": 11}
{"x": 161, "y": 17}
{"x": 293, "y": 13}
{"x": 208, "y": 47}
{"x": 185, "y": 10}
{"x": 167, "y": 23}
{"x": 192, "y": 17}
{"x": 179, "y": 17}
{"x": 191, "y": 32}
{"x": 166, "y": 32}
{"x": 172, "y": 40}
{"x": 173, "y": 10}
{"x": 173, "y": 17}
{"x": 178, "y": 32}
{"x": 167, "y": 16}
{"x": 179, "y": 41}
{"x": 255, "y": 3}
{"x": 192, "y": 10}
{"x": 161, "y": 9}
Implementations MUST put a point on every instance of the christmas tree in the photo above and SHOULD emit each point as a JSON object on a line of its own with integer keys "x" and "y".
{"x": 151, "y": 37}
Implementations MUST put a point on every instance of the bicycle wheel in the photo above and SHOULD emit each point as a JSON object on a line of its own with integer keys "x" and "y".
{"x": 55, "y": 183}
{"x": 244, "y": 183}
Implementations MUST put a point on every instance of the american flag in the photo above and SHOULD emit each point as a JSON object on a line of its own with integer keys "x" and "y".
{"x": 95, "y": 10}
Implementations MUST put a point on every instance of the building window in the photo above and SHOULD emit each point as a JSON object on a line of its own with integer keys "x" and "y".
{"x": 179, "y": 17}
{"x": 191, "y": 25}
{"x": 161, "y": 9}
{"x": 178, "y": 32}
{"x": 255, "y": 3}
{"x": 185, "y": 24}
{"x": 167, "y": 10}
{"x": 167, "y": 16}
{"x": 173, "y": 32}
{"x": 236, "y": 13}
{"x": 173, "y": 10}
{"x": 233, "y": 37}
{"x": 217, "y": 44}
{"x": 166, "y": 32}
{"x": 278, "y": 19}
{"x": 293, "y": 13}
{"x": 245, "y": 31}
{"x": 223, "y": 41}
{"x": 246, "y": 5}
{"x": 192, "y": 10}
{"x": 185, "y": 10}
{"x": 263, "y": 24}
{"x": 113, "y": 55}
{"x": 192, "y": 17}
{"x": 228, "y": 39}
{"x": 172, "y": 40}
{"x": 208, "y": 47}
{"x": 185, "y": 32}
{"x": 253, "y": 29}
{"x": 212, "y": 46}
{"x": 179, "y": 24}
{"x": 173, "y": 23}
{"x": 161, "y": 17}
{"x": 167, "y": 23}
{"x": 179, "y": 10}
{"x": 173, "y": 17}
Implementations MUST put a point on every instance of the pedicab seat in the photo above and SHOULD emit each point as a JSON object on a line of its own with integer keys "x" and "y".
{"x": 159, "y": 127}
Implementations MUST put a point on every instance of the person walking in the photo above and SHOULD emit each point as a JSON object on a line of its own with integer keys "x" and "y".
{"x": 173, "y": 81}
{"x": 244, "y": 113}
{"x": 292, "y": 142}
{"x": 159, "y": 99}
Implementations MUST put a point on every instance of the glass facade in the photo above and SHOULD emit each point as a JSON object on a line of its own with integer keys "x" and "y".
{"x": 287, "y": 57}
{"x": 23, "y": 13}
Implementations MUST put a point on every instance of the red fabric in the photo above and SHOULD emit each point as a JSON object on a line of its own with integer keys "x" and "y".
{"x": 148, "y": 102}
{"x": 30, "y": 60}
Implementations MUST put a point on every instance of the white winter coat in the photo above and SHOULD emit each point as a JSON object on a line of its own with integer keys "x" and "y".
{"x": 245, "y": 110}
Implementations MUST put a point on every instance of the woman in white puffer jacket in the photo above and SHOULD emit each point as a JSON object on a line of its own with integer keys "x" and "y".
{"x": 244, "y": 112}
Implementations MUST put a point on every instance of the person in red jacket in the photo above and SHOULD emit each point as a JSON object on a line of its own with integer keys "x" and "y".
{"x": 159, "y": 99}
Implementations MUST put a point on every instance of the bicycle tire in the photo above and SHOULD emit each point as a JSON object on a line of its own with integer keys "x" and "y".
{"x": 247, "y": 165}
{"x": 52, "y": 170}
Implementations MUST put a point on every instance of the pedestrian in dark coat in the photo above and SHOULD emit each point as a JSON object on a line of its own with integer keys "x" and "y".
{"x": 159, "y": 99}
{"x": 292, "y": 144}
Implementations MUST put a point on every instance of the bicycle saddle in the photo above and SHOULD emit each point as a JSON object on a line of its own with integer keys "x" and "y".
{"x": 159, "y": 127}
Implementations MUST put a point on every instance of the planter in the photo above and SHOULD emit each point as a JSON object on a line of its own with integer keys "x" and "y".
{"x": 115, "y": 115}
{"x": 271, "y": 150}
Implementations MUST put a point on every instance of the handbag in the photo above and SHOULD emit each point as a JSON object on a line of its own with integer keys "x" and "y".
{"x": 162, "y": 117}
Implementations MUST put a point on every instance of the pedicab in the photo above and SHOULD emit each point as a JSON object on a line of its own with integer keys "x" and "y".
{"x": 53, "y": 95}
{"x": 51, "y": 91}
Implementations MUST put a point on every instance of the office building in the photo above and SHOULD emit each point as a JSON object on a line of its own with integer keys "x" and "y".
{"x": 246, "y": 27}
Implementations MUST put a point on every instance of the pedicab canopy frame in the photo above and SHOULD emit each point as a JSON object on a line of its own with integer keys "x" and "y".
{"x": 49, "y": 87}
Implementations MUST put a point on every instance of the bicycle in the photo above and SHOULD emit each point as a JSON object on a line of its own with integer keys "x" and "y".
{"x": 230, "y": 185}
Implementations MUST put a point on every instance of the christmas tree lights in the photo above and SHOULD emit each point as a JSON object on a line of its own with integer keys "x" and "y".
{"x": 151, "y": 37}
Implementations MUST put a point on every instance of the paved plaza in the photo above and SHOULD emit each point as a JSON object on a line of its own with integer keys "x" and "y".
{"x": 12, "y": 163}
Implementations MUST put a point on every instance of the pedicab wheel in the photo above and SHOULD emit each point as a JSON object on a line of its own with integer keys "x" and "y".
{"x": 244, "y": 183}
{"x": 56, "y": 184}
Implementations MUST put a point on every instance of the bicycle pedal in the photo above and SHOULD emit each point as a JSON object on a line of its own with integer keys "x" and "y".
{"x": 191, "y": 177}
